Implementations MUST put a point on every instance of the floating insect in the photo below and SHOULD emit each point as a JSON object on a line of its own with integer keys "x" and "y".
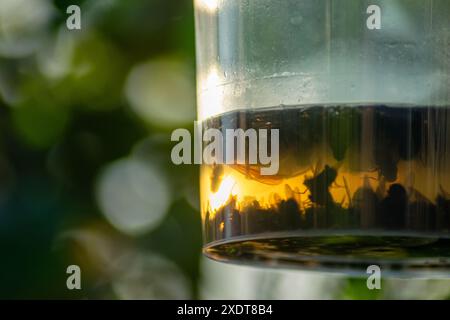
{"x": 319, "y": 186}
{"x": 394, "y": 207}
{"x": 386, "y": 159}
{"x": 300, "y": 132}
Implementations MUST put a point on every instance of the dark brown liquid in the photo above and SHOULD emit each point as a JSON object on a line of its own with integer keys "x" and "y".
{"x": 376, "y": 174}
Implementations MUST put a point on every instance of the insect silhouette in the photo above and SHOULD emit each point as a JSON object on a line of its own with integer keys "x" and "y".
{"x": 319, "y": 186}
{"x": 386, "y": 158}
{"x": 394, "y": 207}
{"x": 216, "y": 177}
{"x": 387, "y": 166}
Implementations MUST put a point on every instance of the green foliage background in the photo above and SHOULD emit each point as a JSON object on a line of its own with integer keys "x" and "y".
{"x": 59, "y": 133}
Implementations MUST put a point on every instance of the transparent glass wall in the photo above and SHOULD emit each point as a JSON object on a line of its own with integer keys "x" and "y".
{"x": 359, "y": 92}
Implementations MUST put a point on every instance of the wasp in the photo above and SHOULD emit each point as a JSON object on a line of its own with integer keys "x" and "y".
{"x": 319, "y": 186}
{"x": 394, "y": 207}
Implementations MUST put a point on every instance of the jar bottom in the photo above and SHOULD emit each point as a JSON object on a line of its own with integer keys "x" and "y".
{"x": 398, "y": 254}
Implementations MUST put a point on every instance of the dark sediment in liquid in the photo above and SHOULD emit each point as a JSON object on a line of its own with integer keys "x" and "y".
{"x": 365, "y": 183}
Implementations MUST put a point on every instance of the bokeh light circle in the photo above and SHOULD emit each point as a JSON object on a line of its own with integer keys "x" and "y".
{"x": 133, "y": 196}
{"x": 22, "y": 24}
{"x": 162, "y": 92}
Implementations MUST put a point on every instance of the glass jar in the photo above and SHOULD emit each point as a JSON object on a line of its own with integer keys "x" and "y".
{"x": 358, "y": 93}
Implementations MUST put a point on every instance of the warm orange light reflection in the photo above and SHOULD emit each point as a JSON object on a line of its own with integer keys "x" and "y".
{"x": 228, "y": 188}
{"x": 241, "y": 191}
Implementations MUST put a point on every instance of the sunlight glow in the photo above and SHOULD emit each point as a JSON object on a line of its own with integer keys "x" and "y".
{"x": 211, "y": 95}
{"x": 226, "y": 190}
{"x": 210, "y": 5}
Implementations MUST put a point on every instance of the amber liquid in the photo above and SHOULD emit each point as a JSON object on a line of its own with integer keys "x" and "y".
{"x": 356, "y": 185}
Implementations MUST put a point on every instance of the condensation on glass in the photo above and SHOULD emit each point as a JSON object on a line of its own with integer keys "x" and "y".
{"x": 359, "y": 91}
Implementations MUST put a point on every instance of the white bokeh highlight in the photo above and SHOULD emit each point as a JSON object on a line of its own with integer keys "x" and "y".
{"x": 133, "y": 196}
{"x": 162, "y": 92}
{"x": 22, "y": 26}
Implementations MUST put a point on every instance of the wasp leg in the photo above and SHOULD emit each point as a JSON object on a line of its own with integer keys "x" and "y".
{"x": 347, "y": 190}
{"x": 298, "y": 192}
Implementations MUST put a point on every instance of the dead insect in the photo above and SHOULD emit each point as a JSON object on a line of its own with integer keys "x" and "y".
{"x": 394, "y": 207}
{"x": 319, "y": 186}
{"x": 386, "y": 165}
